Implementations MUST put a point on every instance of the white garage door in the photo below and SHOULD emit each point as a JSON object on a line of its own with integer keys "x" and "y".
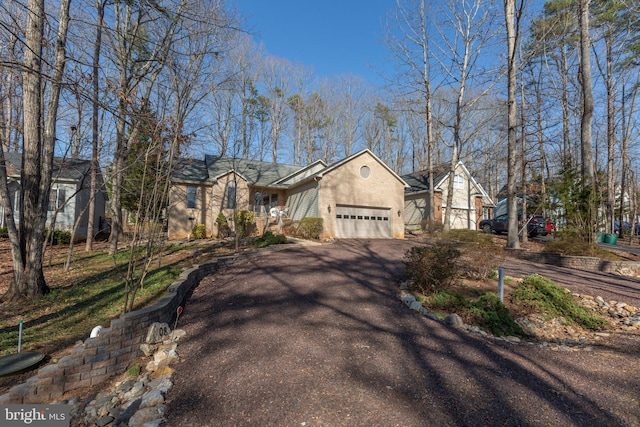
{"x": 352, "y": 221}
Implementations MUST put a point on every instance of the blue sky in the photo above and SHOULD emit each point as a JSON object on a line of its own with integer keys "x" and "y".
{"x": 331, "y": 36}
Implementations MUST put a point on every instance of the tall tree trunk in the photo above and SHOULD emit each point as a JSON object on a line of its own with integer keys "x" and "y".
{"x": 512, "y": 237}
{"x": 567, "y": 146}
{"x": 588, "y": 172}
{"x": 625, "y": 182}
{"x": 611, "y": 138}
{"x": 457, "y": 137}
{"x": 31, "y": 173}
{"x": 428, "y": 112}
{"x": 523, "y": 163}
{"x": 541, "y": 149}
{"x": 117, "y": 177}
{"x": 95, "y": 149}
{"x": 38, "y": 151}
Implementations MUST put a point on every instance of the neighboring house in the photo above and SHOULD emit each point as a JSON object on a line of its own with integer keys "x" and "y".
{"x": 470, "y": 205}
{"x": 69, "y": 196}
{"x": 358, "y": 196}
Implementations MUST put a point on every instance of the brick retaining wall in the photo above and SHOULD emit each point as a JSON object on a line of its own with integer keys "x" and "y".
{"x": 577, "y": 262}
{"x": 109, "y": 354}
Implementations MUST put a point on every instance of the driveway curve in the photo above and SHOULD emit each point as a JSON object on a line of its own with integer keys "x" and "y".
{"x": 316, "y": 336}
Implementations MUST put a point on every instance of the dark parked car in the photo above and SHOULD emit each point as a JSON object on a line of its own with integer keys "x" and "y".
{"x": 626, "y": 226}
{"x": 536, "y": 226}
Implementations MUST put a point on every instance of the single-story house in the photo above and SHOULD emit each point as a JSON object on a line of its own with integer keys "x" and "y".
{"x": 471, "y": 203}
{"x": 358, "y": 196}
{"x": 69, "y": 196}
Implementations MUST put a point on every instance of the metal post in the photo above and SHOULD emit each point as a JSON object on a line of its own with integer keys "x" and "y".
{"x": 501, "y": 283}
{"x": 19, "y": 335}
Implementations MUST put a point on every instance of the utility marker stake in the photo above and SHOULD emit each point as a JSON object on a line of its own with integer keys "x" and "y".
{"x": 178, "y": 313}
{"x": 19, "y": 335}
{"x": 501, "y": 283}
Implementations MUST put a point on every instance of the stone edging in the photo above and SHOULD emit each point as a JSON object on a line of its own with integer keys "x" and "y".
{"x": 109, "y": 354}
{"x": 624, "y": 316}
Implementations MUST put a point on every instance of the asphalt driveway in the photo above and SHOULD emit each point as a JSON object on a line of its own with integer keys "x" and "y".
{"x": 316, "y": 336}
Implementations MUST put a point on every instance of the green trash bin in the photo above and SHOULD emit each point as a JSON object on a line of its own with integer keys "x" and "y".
{"x": 599, "y": 237}
{"x": 611, "y": 239}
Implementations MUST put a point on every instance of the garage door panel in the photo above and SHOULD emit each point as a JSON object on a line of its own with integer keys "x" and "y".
{"x": 362, "y": 222}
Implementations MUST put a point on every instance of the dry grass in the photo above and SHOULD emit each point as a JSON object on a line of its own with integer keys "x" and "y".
{"x": 89, "y": 294}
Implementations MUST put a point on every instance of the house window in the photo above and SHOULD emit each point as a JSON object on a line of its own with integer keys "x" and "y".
{"x": 365, "y": 171}
{"x": 230, "y": 195}
{"x": 458, "y": 181}
{"x": 15, "y": 200}
{"x": 56, "y": 199}
{"x": 266, "y": 199}
{"x": 192, "y": 193}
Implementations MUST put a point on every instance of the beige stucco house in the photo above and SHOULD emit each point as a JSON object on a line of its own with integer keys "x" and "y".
{"x": 471, "y": 203}
{"x": 358, "y": 196}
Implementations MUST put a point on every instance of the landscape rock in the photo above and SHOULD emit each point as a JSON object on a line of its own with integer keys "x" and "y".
{"x": 417, "y": 306}
{"x": 408, "y": 300}
{"x": 162, "y": 384}
{"x": 148, "y": 349}
{"x": 432, "y": 316}
{"x": 103, "y": 421}
{"x": 176, "y": 335}
{"x": 454, "y": 320}
{"x": 134, "y": 402}
{"x": 146, "y": 417}
{"x": 157, "y": 333}
{"x": 165, "y": 356}
{"x": 152, "y": 398}
{"x": 555, "y": 333}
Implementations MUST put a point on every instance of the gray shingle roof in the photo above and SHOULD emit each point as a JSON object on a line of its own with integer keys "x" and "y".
{"x": 190, "y": 170}
{"x": 63, "y": 169}
{"x": 419, "y": 181}
{"x": 260, "y": 174}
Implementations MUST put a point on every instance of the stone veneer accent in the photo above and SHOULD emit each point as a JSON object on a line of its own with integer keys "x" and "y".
{"x": 109, "y": 354}
{"x": 576, "y": 262}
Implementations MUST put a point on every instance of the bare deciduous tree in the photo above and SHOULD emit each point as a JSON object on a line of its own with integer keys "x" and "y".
{"x": 27, "y": 242}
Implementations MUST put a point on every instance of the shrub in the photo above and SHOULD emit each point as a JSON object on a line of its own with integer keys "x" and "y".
{"x": 268, "y": 239}
{"x": 479, "y": 253}
{"x": 289, "y": 227}
{"x": 489, "y": 312}
{"x": 244, "y": 220}
{"x": 133, "y": 371}
{"x": 469, "y": 236}
{"x": 486, "y": 311}
{"x": 573, "y": 242}
{"x": 199, "y": 231}
{"x": 447, "y": 301}
{"x": 59, "y": 237}
{"x": 223, "y": 225}
{"x": 310, "y": 228}
{"x": 542, "y": 294}
{"x": 433, "y": 269}
{"x": 4, "y": 232}
{"x": 431, "y": 226}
